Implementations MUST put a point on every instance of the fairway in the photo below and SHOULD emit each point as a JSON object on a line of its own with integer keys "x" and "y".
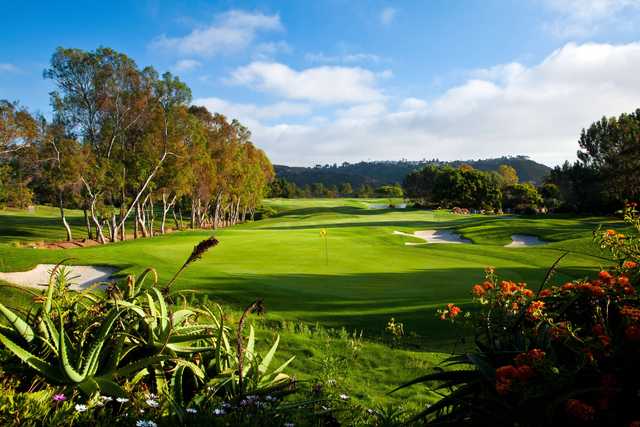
{"x": 367, "y": 276}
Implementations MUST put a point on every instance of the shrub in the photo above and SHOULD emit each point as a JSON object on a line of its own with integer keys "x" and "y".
{"x": 556, "y": 355}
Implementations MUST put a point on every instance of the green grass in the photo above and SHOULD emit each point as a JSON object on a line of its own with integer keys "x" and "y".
{"x": 371, "y": 275}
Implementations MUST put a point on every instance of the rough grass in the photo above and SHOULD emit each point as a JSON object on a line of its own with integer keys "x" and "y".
{"x": 370, "y": 275}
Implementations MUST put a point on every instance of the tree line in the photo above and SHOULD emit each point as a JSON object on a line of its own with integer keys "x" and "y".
{"x": 281, "y": 187}
{"x": 125, "y": 146}
{"x": 606, "y": 174}
{"x": 466, "y": 187}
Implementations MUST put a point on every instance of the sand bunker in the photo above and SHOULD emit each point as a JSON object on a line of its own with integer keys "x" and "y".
{"x": 386, "y": 206}
{"x": 524, "y": 240}
{"x": 81, "y": 276}
{"x": 434, "y": 236}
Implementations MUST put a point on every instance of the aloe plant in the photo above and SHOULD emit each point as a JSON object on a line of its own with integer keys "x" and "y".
{"x": 103, "y": 341}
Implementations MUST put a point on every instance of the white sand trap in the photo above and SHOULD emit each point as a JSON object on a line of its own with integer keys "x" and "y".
{"x": 386, "y": 206}
{"x": 523, "y": 240}
{"x": 434, "y": 236}
{"x": 81, "y": 276}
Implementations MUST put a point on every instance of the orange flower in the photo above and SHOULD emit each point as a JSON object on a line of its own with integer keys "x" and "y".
{"x": 631, "y": 312}
{"x": 598, "y": 329}
{"x": 525, "y": 373}
{"x": 632, "y": 333}
{"x": 604, "y": 340}
{"x": 478, "y": 291}
{"x": 604, "y": 275}
{"x": 487, "y": 285}
{"x": 527, "y": 293}
{"x": 535, "y": 310}
{"x": 623, "y": 280}
{"x": 579, "y": 410}
{"x": 568, "y": 286}
{"x": 611, "y": 232}
{"x": 503, "y": 387}
{"x": 630, "y": 264}
{"x": 545, "y": 293}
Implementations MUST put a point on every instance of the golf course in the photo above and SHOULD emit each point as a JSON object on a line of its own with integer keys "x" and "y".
{"x": 345, "y": 265}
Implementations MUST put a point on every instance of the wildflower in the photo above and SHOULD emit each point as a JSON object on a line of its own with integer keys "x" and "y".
{"x": 598, "y": 329}
{"x": 632, "y": 333}
{"x": 611, "y": 232}
{"x": 604, "y": 275}
{"x": 152, "y": 403}
{"x": 534, "y": 311}
{"x": 80, "y": 408}
{"x": 219, "y": 411}
{"x": 59, "y": 397}
{"x": 121, "y": 399}
{"x": 106, "y": 398}
{"x": 344, "y": 396}
{"x": 146, "y": 423}
{"x": 478, "y": 291}
{"x": 579, "y": 410}
{"x": 630, "y": 265}
{"x": 191, "y": 411}
{"x": 631, "y": 312}
{"x": 487, "y": 285}
{"x": 453, "y": 310}
{"x": 545, "y": 293}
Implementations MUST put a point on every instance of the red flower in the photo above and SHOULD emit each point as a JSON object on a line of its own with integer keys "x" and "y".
{"x": 630, "y": 264}
{"x": 623, "y": 281}
{"x": 579, "y": 410}
{"x": 524, "y": 373}
{"x": 604, "y": 275}
{"x": 545, "y": 293}
{"x": 598, "y": 329}
{"x": 478, "y": 291}
{"x": 487, "y": 285}
{"x": 535, "y": 310}
{"x": 632, "y": 333}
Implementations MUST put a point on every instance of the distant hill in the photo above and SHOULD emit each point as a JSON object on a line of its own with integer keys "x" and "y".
{"x": 389, "y": 172}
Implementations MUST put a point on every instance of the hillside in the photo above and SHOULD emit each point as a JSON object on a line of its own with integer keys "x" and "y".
{"x": 389, "y": 172}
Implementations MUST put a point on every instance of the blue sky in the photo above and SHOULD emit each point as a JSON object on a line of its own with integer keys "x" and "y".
{"x": 334, "y": 80}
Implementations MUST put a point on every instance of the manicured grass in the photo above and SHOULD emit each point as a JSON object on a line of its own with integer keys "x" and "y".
{"x": 370, "y": 277}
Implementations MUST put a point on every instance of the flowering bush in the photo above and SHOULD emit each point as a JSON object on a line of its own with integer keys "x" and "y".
{"x": 565, "y": 354}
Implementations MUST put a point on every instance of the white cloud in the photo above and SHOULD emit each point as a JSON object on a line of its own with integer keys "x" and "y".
{"x": 347, "y": 58}
{"x": 231, "y": 31}
{"x": 186, "y": 65}
{"x": 9, "y": 68}
{"x": 581, "y": 18}
{"x": 268, "y": 50}
{"x": 325, "y": 84}
{"x": 250, "y": 113}
{"x": 387, "y": 15}
{"x": 514, "y": 109}
{"x": 413, "y": 104}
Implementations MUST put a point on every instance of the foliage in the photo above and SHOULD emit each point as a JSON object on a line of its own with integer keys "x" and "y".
{"x": 551, "y": 356}
{"x": 448, "y": 187}
{"x": 605, "y": 175}
{"x": 134, "y": 338}
{"x": 521, "y": 198}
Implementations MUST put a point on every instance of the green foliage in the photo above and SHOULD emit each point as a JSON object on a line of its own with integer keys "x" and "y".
{"x": 133, "y": 336}
{"x": 553, "y": 356}
{"x": 448, "y": 187}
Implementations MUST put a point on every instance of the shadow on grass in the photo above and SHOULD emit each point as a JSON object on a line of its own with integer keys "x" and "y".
{"x": 367, "y": 301}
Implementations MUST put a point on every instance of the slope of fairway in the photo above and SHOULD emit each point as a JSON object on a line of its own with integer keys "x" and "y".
{"x": 369, "y": 274}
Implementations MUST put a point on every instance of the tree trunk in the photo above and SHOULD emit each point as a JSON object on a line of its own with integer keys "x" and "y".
{"x": 87, "y": 224}
{"x": 152, "y": 216}
{"x": 64, "y": 219}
